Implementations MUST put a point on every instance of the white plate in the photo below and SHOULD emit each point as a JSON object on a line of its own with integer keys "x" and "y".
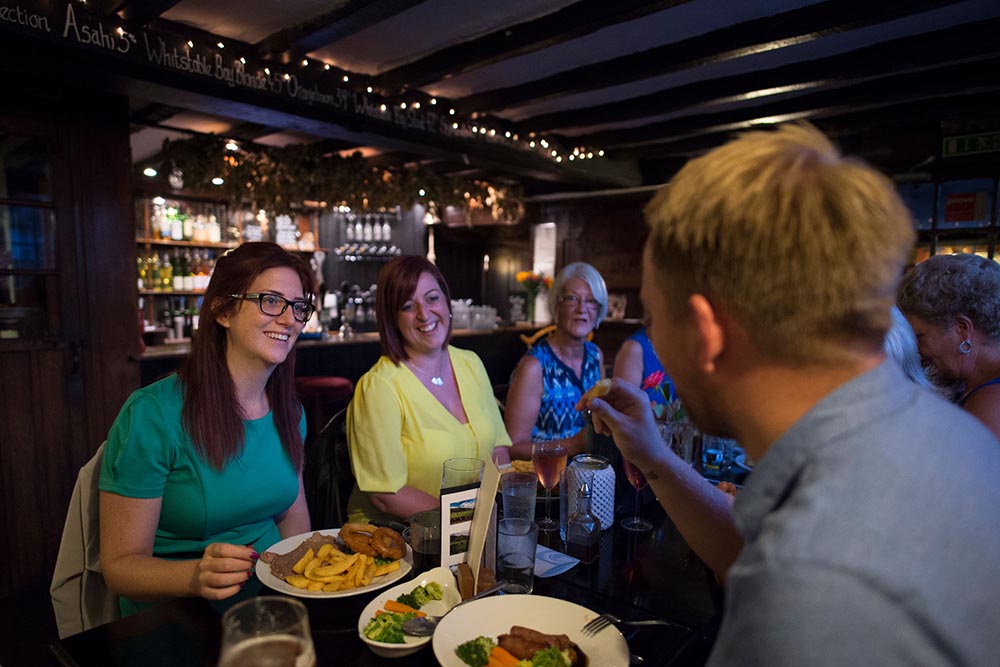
{"x": 449, "y": 599}
{"x": 494, "y": 616}
{"x": 286, "y": 545}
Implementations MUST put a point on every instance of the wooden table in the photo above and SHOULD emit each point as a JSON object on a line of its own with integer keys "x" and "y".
{"x": 638, "y": 575}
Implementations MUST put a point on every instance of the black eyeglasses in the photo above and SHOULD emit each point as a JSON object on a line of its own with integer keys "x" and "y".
{"x": 274, "y": 305}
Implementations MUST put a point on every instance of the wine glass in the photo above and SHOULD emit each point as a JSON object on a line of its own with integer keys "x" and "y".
{"x": 549, "y": 459}
{"x": 638, "y": 482}
{"x": 267, "y": 631}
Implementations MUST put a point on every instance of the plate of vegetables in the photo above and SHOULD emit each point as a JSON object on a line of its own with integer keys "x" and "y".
{"x": 525, "y": 631}
{"x": 381, "y": 623}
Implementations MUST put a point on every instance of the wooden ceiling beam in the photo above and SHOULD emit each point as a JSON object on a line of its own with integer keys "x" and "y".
{"x": 951, "y": 80}
{"x": 764, "y": 34}
{"x": 350, "y": 17}
{"x": 937, "y": 48}
{"x": 142, "y": 12}
{"x": 840, "y": 124}
{"x": 570, "y": 22}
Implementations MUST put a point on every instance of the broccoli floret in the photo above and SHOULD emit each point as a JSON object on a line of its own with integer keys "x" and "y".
{"x": 387, "y": 628}
{"x": 475, "y": 652}
{"x": 549, "y": 657}
{"x": 434, "y": 590}
{"x": 409, "y": 599}
{"x": 421, "y": 595}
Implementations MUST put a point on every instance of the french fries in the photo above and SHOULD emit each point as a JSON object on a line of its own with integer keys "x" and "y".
{"x": 329, "y": 570}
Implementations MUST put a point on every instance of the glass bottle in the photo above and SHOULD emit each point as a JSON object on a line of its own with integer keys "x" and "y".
{"x": 178, "y": 271}
{"x": 166, "y": 273}
{"x": 386, "y": 230}
{"x": 188, "y": 272}
{"x": 583, "y": 530}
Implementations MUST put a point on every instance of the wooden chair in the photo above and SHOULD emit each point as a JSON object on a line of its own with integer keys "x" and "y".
{"x": 328, "y": 477}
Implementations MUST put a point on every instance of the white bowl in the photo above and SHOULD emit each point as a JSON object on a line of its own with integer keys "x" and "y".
{"x": 449, "y": 599}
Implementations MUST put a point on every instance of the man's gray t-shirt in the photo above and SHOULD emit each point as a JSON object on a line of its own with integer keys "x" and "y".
{"x": 871, "y": 537}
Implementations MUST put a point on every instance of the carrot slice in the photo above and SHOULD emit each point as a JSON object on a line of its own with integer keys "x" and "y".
{"x": 503, "y": 657}
{"x": 400, "y": 608}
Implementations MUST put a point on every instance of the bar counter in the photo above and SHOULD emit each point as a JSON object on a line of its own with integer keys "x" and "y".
{"x": 500, "y": 349}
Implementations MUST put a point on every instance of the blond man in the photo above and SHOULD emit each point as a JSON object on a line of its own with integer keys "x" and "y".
{"x": 865, "y": 535}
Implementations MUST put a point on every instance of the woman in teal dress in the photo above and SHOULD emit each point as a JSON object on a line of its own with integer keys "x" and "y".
{"x": 202, "y": 470}
{"x": 558, "y": 369}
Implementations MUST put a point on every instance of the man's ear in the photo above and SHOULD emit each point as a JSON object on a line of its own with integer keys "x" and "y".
{"x": 711, "y": 337}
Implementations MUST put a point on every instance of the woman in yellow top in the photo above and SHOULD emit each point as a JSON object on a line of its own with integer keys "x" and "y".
{"x": 422, "y": 403}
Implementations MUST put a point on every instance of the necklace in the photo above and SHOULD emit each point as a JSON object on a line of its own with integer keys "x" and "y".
{"x": 436, "y": 380}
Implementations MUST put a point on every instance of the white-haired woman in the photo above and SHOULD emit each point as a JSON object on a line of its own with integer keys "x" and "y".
{"x": 953, "y": 304}
{"x": 560, "y": 368}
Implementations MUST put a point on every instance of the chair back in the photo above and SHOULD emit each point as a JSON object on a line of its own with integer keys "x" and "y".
{"x": 328, "y": 477}
{"x": 80, "y": 596}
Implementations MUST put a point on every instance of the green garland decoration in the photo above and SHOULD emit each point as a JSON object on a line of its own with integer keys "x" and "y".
{"x": 280, "y": 179}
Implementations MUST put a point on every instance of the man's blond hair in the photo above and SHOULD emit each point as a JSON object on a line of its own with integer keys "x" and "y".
{"x": 803, "y": 246}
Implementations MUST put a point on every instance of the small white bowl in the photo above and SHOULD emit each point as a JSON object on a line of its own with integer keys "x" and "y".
{"x": 449, "y": 599}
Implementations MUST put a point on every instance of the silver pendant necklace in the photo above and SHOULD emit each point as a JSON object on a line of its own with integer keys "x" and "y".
{"x": 436, "y": 380}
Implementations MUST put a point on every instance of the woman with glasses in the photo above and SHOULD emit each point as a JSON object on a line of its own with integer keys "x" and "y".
{"x": 423, "y": 401}
{"x": 202, "y": 470}
{"x": 560, "y": 368}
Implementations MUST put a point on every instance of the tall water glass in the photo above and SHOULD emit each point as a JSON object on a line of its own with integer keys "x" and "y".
{"x": 267, "y": 631}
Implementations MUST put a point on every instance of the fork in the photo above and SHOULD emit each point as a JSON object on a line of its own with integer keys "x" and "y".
{"x": 604, "y": 620}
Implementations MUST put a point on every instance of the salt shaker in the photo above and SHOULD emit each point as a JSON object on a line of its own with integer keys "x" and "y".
{"x": 583, "y": 530}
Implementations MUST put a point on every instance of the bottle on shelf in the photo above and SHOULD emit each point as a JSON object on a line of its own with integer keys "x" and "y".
{"x": 177, "y": 267}
{"x": 386, "y": 230}
{"x": 188, "y": 272}
{"x": 142, "y": 268}
{"x": 166, "y": 273}
{"x": 359, "y": 230}
{"x": 153, "y": 272}
{"x": 214, "y": 230}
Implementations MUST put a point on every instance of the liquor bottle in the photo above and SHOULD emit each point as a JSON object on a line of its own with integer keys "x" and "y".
{"x": 214, "y": 230}
{"x": 366, "y": 230}
{"x": 359, "y": 230}
{"x": 377, "y": 229}
{"x": 166, "y": 273}
{"x": 188, "y": 272}
{"x": 583, "y": 530}
{"x": 386, "y": 230}
{"x": 166, "y": 222}
{"x": 349, "y": 229}
{"x": 177, "y": 226}
{"x": 188, "y": 227}
{"x": 141, "y": 265}
{"x": 153, "y": 273}
{"x": 178, "y": 271}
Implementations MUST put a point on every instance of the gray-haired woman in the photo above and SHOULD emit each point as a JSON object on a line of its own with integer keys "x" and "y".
{"x": 560, "y": 368}
{"x": 953, "y": 304}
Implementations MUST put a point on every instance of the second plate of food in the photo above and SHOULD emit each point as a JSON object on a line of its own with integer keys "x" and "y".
{"x": 449, "y": 598}
{"x": 277, "y": 583}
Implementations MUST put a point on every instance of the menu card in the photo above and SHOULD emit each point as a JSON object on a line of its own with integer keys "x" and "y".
{"x": 468, "y": 522}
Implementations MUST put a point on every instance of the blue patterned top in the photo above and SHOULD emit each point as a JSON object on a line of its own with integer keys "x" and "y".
{"x": 561, "y": 389}
{"x": 651, "y": 364}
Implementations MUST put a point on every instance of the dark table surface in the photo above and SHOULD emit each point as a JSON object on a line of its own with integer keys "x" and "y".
{"x": 637, "y": 576}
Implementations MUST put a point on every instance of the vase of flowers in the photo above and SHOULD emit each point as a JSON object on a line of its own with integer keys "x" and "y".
{"x": 533, "y": 282}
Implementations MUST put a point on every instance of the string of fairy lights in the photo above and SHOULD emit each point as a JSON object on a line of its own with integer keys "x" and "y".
{"x": 473, "y": 125}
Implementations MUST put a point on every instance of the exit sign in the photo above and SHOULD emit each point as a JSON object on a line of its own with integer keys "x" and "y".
{"x": 970, "y": 143}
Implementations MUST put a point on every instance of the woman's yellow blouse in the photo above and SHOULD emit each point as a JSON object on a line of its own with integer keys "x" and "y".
{"x": 400, "y": 434}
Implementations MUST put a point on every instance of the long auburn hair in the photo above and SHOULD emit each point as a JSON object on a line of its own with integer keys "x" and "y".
{"x": 211, "y": 414}
{"x": 397, "y": 281}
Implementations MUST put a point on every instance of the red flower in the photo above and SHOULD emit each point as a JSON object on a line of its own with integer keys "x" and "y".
{"x": 653, "y": 380}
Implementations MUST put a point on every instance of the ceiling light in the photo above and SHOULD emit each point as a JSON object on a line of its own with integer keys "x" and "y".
{"x": 383, "y": 108}
{"x": 601, "y": 152}
{"x": 221, "y": 45}
{"x": 305, "y": 63}
{"x": 555, "y": 153}
{"x": 149, "y": 171}
{"x": 434, "y": 100}
{"x": 217, "y": 180}
{"x": 232, "y": 146}
{"x": 243, "y": 60}
{"x": 416, "y": 105}
{"x": 422, "y": 192}
{"x": 346, "y": 78}
{"x": 326, "y": 67}
{"x": 190, "y": 44}
{"x": 369, "y": 89}
{"x": 451, "y": 112}
{"x": 454, "y": 126}
{"x": 475, "y": 129}
{"x": 267, "y": 71}
{"x": 402, "y": 105}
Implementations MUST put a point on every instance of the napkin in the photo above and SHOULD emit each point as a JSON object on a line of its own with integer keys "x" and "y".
{"x": 549, "y": 562}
